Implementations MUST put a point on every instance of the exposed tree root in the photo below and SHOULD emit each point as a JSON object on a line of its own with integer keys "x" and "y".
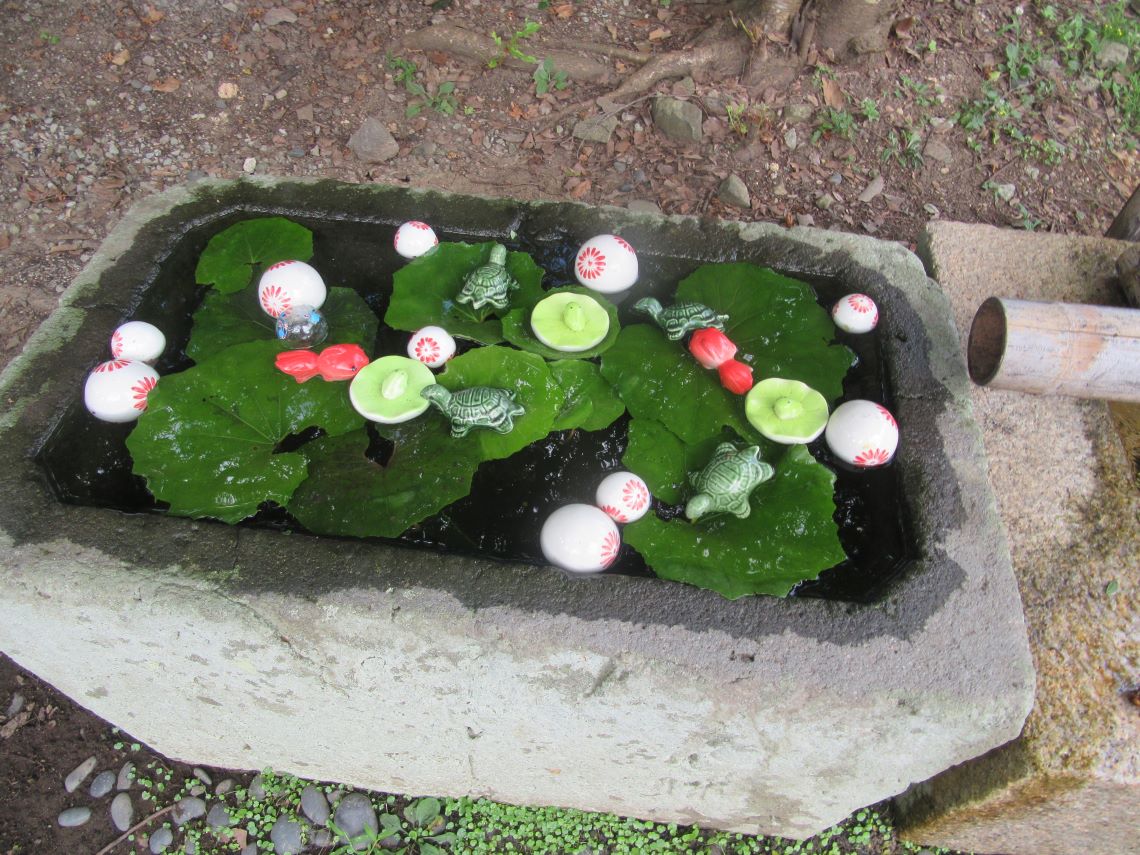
{"x": 719, "y": 51}
{"x": 453, "y": 39}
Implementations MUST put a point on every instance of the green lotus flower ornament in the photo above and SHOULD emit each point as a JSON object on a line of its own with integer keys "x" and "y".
{"x": 727, "y": 481}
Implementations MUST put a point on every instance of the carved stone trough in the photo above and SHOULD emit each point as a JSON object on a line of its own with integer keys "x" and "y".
{"x": 418, "y": 672}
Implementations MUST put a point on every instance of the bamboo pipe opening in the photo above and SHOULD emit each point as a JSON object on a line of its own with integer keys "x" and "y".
{"x": 986, "y": 347}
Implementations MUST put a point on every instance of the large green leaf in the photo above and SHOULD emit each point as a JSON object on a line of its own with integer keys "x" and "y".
{"x": 206, "y": 441}
{"x": 775, "y": 321}
{"x": 525, "y": 374}
{"x": 227, "y": 262}
{"x": 348, "y": 494}
{"x": 424, "y": 291}
{"x": 789, "y": 536}
{"x": 224, "y": 320}
{"x": 658, "y": 379}
{"x": 590, "y": 403}
{"x": 517, "y": 329}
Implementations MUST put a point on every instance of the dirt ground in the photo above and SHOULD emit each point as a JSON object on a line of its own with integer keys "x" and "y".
{"x": 103, "y": 103}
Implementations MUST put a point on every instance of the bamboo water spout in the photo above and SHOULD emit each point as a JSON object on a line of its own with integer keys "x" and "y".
{"x": 1056, "y": 349}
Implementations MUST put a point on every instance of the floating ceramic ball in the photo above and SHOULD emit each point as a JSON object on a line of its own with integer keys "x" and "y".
{"x": 862, "y": 433}
{"x": 855, "y": 313}
{"x": 623, "y": 496}
{"x": 138, "y": 340}
{"x": 290, "y": 283}
{"x": 414, "y": 238}
{"x": 580, "y": 539}
{"x": 606, "y": 263}
{"x": 432, "y": 346}
{"x": 116, "y": 390}
{"x": 303, "y": 326}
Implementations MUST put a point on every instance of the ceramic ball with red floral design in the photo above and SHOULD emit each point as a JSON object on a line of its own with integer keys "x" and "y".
{"x": 606, "y": 263}
{"x": 580, "y": 538}
{"x": 414, "y": 239}
{"x": 290, "y": 283}
{"x": 855, "y": 313}
{"x": 862, "y": 433}
{"x": 432, "y": 346}
{"x": 117, "y": 390}
{"x": 623, "y": 496}
{"x": 138, "y": 340}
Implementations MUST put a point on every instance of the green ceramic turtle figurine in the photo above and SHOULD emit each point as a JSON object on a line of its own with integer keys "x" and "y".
{"x": 479, "y": 406}
{"x": 680, "y": 318}
{"x": 489, "y": 284}
{"x": 726, "y": 482}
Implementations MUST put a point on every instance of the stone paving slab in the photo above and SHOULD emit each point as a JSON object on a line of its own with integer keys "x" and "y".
{"x": 1071, "y": 782}
{"x": 394, "y": 669}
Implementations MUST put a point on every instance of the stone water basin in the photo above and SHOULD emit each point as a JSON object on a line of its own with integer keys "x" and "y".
{"x": 465, "y": 674}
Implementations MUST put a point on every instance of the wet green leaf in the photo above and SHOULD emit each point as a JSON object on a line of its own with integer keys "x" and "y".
{"x": 424, "y": 291}
{"x": 517, "y": 330}
{"x": 590, "y": 402}
{"x": 229, "y": 258}
{"x": 658, "y": 379}
{"x": 224, "y": 320}
{"x": 775, "y": 321}
{"x": 206, "y": 441}
{"x": 789, "y": 536}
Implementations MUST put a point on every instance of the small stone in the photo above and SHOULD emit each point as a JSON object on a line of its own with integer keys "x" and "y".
{"x": 322, "y": 839}
{"x": 805, "y": 220}
{"x": 286, "y": 837}
{"x": 873, "y": 189}
{"x": 187, "y": 809}
{"x": 937, "y": 150}
{"x": 224, "y": 786}
{"x": 219, "y": 816}
{"x": 160, "y": 839}
{"x": 314, "y": 805}
{"x": 932, "y": 210}
{"x": 733, "y": 191}
{"x": 227, "y": 90}
{"x": 791, "y": 139}
{"x": 122, "y": 811}
{"x": 249, "y": 165}
{"x": 17, "y": 703}
{"x": 126, "y": 776}
{"x": 835, "y": 178}
{"x": 197, "y": 790}
{"x": 686, "y": 87}
{"x": 1111, "y": 53}
{"x": 256, "y": 788}
{"x": 372, "y": 142}
{"x": 824, "y": 201}
{"x": 73, "y": 817}
{"x": 596, "y": 128}
{"x": 643, "y": 206}
{"x": 203, "y": 776}
{"x": 798, "y": 114}
{"x": 278, "y": 15}
{"x": 191, "y": 847}
{"x": 249, "y": 849}
{"x": 354, "y": 817}
{"x": 79, "y": 774}
{"x": 102, "y": 784}
{"x": 680, "y": 121}
{"x": 425, "y": 149}
{"x": 148, "y": 60}
{"x": 1005, "y": 192}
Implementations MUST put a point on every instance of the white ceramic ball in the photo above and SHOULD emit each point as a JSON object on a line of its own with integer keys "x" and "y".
{"x": 862, "y": 433}
{"x": 290, "y": 283}
{"x": 606, "y": 263}
{"x": 414, "y": 238}
{"x": 623, "y": 496}
{"x": 138, "y": 340}
{"x": 432, "y": 346}
{"x": 580, "y": 539}
{"x": 855, "y": 313}
{"x": 116, "y": 390}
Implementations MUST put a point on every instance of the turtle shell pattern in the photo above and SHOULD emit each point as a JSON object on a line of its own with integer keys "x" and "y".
{"x": 731, "y": 476}
{"x": 489, "y": 284}
{"x": 681, "y": 318}
{"x": 481, "y": 406}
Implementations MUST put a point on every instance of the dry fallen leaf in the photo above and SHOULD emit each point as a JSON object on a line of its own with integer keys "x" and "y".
{"x": 227, "y": 90}
{"x": 167, "y": 85}
{"x": 121, "y": 57}
{"x": 15, "y": 723}
{"x": 832, "y": 94}
{"x": 582, "y": 189}
{"x": 151, "y": 15}
{"x": 562, "y": 10}
{"x": 659, "y": 34}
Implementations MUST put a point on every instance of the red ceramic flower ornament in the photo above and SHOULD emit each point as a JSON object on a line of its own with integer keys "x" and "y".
{"x": 735, "y": 376}
{"x": 711, "y": 347}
